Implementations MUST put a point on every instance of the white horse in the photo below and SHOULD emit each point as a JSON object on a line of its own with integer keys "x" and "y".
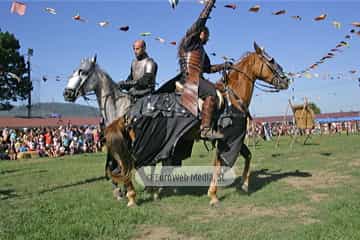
{"x": 88, "y": 78}
{"x": 113, "y": 103}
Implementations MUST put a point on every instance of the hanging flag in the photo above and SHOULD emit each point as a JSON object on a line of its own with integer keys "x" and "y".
{"x": 77, "y": 17}
{"x": 313, "y": 66}
{"x": 18, "y": 8}
{"x": 297, "y": 18}
{"x": 356, "y": 24}
{"x": 255, "y": 8}
{"x": 124, "y": 28}
{"x": 336, "y": 24}
{"x": 103, "y": 23}
{"x": 161, "y": 40}
{"x": 342, "y": 44}
{"x": 232, "y": 6}
{"x": 144, "y": 34}
{"x": 279, "y": 12}
{"x": 50, "y": 10}
{"x": 307, "y": 75}
{"x": 173, "y": 3}
{"x": 321, "y": 17}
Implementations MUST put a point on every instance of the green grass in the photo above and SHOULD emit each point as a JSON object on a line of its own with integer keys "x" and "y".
{"x": 307, "y": 192}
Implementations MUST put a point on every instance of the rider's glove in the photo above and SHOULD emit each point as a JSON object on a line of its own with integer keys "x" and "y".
{"x": 228, "y": 65}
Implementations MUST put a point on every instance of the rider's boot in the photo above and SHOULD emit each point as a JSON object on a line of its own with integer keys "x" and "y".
{"x": 208, "y": 110}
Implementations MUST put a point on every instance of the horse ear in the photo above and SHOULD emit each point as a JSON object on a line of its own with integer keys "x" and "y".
{"x": 94, "y": 59}
{"x": 257, "y": 48}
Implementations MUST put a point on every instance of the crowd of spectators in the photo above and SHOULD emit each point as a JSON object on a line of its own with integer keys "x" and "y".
{"x": 49, "y": 142}
{"x": 268, "y": 130}
{"x": 63, "y": 140}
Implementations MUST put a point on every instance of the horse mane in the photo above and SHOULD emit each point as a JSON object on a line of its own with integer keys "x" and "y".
{"x": 244, "y": 55}
{"x": 116, "y": 137}
{"x": 100, "y": 70}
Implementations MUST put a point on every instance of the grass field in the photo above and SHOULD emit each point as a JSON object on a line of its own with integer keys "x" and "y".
{"x": 307, "y": 192}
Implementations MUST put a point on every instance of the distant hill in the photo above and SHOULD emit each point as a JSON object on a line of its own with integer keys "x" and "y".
{"x": 53, "y": 110}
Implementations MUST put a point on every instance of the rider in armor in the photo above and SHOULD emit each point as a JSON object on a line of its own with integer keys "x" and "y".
{"x": 194, "y": 62}
{"x": 141, "y": 80}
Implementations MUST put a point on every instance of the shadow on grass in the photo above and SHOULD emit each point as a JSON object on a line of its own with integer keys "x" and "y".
{"x": 326, "y": 154}
{"x": 7, "y": 194}
{"x": 86, "y": 181}
{"x": 311, "y": 144}
{"x": 9, "y": 171}
{"x": 259, "y": 179}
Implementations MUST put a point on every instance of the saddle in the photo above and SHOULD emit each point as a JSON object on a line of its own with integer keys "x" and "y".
{"x": 179, "y": 88}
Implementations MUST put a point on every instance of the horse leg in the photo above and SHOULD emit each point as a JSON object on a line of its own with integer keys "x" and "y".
{"x": 245, "y": 152}
{"x": 117, "y": 191}
{"x": 214, "y": 201}
{"x": 131, "y": 194}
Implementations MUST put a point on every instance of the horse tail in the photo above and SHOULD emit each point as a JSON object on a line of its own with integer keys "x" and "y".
{"x": 117, "y": 145}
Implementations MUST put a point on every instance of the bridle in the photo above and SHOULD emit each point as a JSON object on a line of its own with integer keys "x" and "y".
{"x": 263, "y": 87}
{"x": 275, "y": 81}
{"x": 83, "y": 81}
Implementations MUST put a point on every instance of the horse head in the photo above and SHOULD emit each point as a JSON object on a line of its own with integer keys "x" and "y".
{"x": 269, "y": 70}
{"x": 82, "y": 81}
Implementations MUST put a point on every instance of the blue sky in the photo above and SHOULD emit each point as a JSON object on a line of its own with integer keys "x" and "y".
{"x": 60, "y": 43}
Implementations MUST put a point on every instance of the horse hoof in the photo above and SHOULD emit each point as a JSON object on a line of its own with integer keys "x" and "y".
{"x": 131, "y": 205}
{"x": 245, "y": 188}
{"x": 118, "y": 194}
{"x": 214, "y": 203}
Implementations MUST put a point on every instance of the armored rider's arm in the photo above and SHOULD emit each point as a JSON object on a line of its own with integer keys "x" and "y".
{"x": 208, "y": 68}
{"x": 219, "y": 67}
{"x": 126, "y": 84}
{"x": 147, "y": 81}
{"x": 195, "y": 29}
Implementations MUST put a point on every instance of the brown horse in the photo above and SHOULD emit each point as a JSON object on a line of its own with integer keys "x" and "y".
{"x": 237, "y": 88}
{"x": 240, "y": 84}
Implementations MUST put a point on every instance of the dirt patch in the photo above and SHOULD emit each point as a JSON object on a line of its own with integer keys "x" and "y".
{"x": 300, "y": 211}
{"x": 355, "y": 163}
{"x": 150, "y": 232}
{"x": 318, "y": 180}
{"x": 318, "y": 197}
